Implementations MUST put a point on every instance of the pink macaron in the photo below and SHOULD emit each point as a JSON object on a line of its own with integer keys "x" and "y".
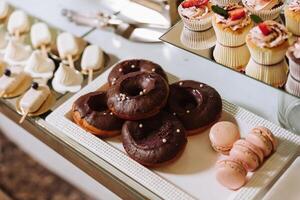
{"x": 252, "y": 147}
{"x": 243, "y": 153}
{"x": 223, "y": 135}
{"x": 261, "y": 139}
{"x": 267, "y": 133}
{"x": 231, "y": 173}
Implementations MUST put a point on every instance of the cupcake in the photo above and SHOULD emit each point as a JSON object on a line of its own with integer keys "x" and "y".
{"x": 266, "y": 9}
{"x": 268, "y": 42}
{"x": 293, "y": 54}
{"x": 231, "y": 23}
{"x": 292, "y": 17}
{"x": 196, "y": 14}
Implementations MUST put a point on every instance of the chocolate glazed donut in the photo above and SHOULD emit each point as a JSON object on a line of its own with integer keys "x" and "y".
{"x": 134, "y": 65}
{"x": 154, "y": 141}
{"x": 196, "y": 104}
{"x": 91, "y": 113}
{"x": 138, "y": 95}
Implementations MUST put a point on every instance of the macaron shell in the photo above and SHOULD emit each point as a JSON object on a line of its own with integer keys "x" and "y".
{"x": 249, "y": 159}
{"x": 260, "y": 141}
{"x": 252, "y": 147}
{"x": 223, "y": 135}
{"x": 231, "y": 174}
{"x": 222, "y": 150}
{"x": 268, "y": 133}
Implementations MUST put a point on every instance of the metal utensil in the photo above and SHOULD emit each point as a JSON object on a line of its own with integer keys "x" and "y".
{"x": 135, "y": 31}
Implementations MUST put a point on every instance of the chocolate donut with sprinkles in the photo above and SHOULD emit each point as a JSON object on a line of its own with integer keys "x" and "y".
{"x": 196, "y": 105}
{"x": 134, "y": 65}
{"x": 154, "y": 141}
{"x": 91, "y": 113}
{"x": 138, "y": 95}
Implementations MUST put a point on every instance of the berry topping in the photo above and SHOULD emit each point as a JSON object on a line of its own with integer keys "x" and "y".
{"x": 192, "y": 3}
{"x": 264, "y": 29}
{"x": 237, "y": 14}
{"x": 35, "y": 85}
{"x": 7, "y": 72}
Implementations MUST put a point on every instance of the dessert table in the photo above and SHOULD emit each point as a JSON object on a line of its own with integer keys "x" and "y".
{"x": 238, "y": 89}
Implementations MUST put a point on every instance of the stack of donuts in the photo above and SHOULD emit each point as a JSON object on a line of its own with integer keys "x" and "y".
{"x": 153, "y": 117}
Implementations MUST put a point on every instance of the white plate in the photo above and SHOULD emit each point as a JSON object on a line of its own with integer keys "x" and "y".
{"x": 192, "y": 175}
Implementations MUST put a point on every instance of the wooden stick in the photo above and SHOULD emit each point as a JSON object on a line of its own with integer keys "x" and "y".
{"x": 90, "y": 79}
{"x": 71, "y": 62}
{"x": 23, "y": 117}
{"x": 17, "y": 35}
{"x": 44, "y": 50}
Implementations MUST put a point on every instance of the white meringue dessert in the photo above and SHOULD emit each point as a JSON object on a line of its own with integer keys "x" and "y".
{"x": 39, "y": 66}
{"x": 67, "y": 79}
{"x": 17, "y": 53}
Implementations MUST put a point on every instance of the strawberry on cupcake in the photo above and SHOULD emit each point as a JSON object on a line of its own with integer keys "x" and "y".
{"x": 196, "y": 14}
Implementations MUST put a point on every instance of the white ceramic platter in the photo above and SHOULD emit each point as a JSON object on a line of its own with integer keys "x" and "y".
{"x": 192, "y": 176}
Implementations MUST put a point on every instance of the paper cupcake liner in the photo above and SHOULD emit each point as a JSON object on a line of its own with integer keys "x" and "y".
{"x": 196, "y": 24}
{"x": 235, "y": 58}
{"x": 198, "y": 40}
{"x": 265, "y": 14}
{"x": 230, "y": 38}
{"x": 294, "y": 69}
{"x": 266, "y": 56}
{"x": 275, "y": 75}
{"x": 225, "y": 2}
{"x": 292, "y": 86}
{"x": 292, "y": 24}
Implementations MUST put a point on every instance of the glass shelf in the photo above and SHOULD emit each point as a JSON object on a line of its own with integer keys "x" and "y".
{"x": 288, "y": 105}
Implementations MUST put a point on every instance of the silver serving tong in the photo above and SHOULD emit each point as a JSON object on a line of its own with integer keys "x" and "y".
{"x": 128, "y": 30}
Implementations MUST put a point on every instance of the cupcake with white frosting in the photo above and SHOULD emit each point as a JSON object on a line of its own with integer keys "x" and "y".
{"x": 292, "y": 17}
{"x": 266, "y": 9}
{"x": 196, "y": 14}
{"x": 231, "y": 23}
{"x": 39, "y": 66}
{"x": 268, "y": 42}
{"x": 225, "y": 2}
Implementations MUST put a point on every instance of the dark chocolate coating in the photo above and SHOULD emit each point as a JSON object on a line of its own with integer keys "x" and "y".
{"x": 195, "y": 104}
{"x": 92, "y": 107}
{"x": 140, "y": 65}
{"x": 155, "y": 140}
{"x": 126, "y": 100}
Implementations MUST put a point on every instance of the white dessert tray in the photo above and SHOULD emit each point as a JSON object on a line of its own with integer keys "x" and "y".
{"x": 192, "y": 176}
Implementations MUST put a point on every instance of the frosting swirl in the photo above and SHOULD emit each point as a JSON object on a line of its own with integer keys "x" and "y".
{"x": 196, "y": 12}
{"x": 259, "y": 5}
{"x": 234, "y": 24}
{"x": 294, "y": 5}
{"x": 279, "y": 34}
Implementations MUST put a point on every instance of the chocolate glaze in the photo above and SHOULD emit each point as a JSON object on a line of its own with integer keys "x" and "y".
{"x": 92, "y": 107}
{"x": 126, "y": 100}
{"x": 195, "y": 104}
{"x": 154, "y": 140}
{"x": 125, "y": 67}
